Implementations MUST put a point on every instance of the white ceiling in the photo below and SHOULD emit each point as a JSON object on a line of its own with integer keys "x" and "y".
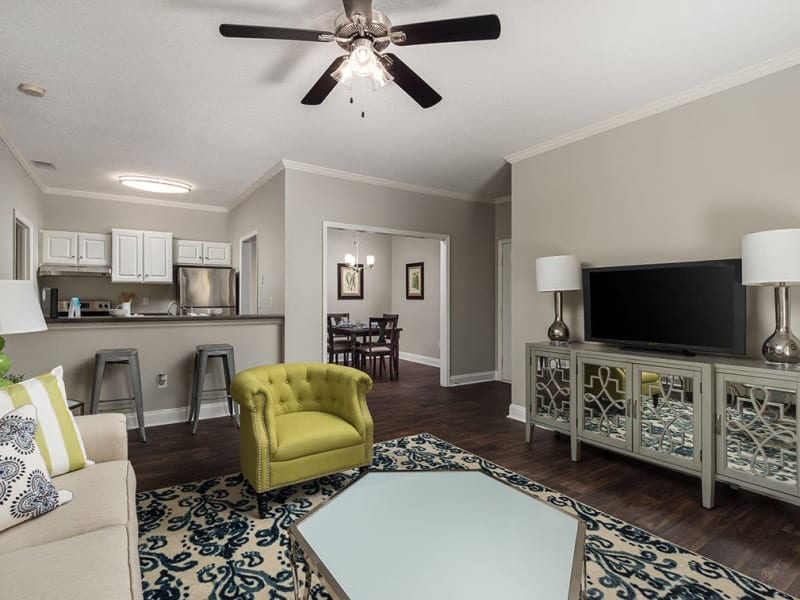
{"x": 150, "y": 87}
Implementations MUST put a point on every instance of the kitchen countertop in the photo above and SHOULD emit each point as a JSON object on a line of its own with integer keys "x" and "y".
{"x": 145, "y": 318}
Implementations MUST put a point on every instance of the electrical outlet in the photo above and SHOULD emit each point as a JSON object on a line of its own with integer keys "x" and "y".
{"x": 145, "y": 301}
{"x": 161, "y": 381}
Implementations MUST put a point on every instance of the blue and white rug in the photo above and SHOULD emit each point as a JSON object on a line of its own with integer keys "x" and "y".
{"x": 205, "y": 540}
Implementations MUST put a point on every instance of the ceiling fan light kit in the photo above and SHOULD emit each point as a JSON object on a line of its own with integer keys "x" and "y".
{"x": 365, "y": 34}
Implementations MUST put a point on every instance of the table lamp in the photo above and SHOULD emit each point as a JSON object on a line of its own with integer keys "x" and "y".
{"x": 20, "y": 312}
{"x": 773, "y": 258}
{"x": 558, "y": 274}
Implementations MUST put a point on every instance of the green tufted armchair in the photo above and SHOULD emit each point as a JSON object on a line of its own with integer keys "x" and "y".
{"x": 301, "y": 421}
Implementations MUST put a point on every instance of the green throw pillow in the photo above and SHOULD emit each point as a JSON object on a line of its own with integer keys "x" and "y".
{"x": 57, "y": 436}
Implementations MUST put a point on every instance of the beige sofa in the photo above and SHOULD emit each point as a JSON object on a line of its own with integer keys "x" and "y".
{"x": 86, "y": 549}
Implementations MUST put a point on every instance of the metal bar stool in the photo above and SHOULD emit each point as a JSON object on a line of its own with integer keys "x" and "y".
{"x": 118, "y": 356}
{"x": 202, "y": 355}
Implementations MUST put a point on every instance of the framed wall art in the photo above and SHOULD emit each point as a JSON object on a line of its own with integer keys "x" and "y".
{"x": 350, "y": 282}
{"x": 415, "y": 281}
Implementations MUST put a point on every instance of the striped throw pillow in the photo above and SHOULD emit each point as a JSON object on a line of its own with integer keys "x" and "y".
{"x": 57, "y": 436}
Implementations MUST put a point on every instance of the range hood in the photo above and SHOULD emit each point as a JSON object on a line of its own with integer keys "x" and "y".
{"x": 73, "y": 271}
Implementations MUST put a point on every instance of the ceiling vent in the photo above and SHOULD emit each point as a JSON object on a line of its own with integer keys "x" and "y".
{"x": 43, "y": 164}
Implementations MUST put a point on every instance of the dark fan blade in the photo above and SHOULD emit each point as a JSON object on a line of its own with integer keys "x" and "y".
{"x": 467, "y": 29}
{"x": 324, "y": 85}
{"x": 275, "y": 33}
{"x": 411, "y": 83}
{"x": 363, "y": 7}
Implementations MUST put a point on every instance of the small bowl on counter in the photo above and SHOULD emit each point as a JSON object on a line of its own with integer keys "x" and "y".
{"x": 118, "y": 312}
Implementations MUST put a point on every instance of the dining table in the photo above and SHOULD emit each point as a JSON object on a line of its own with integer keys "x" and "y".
{"x": 362, "y": 330}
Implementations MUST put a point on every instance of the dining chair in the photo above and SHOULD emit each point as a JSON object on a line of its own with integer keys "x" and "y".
{"x": 338, "y": 344}
{"x": 395, "y": 334}
{"x": 381, "y": 343}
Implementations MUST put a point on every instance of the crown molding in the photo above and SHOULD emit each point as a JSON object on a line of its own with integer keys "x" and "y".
{"x": 23, "y": 162}
{"x": 276, "y": 169}
{"x": 746, "y": 75}
{"x": 134, "y": 200}
{"x": 388, "y": 183}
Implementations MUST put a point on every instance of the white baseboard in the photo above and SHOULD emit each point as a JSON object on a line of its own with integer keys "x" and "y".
{"x": 470, "y": 378}
{"x": 516, "y": 412}
{"x": 418, "y": 358}
{"x": 167, "y": 416}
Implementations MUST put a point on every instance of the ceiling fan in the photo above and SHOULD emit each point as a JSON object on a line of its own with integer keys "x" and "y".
{"x": 365, "y": 34}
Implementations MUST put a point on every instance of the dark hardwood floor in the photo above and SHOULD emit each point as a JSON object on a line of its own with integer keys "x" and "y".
{"x": 754, "y": 534}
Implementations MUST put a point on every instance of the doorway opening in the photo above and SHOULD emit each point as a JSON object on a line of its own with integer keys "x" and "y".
{"x": 436, "y": 256}
{"x": 23, "y": 247}
{"x": 248, "y": 274}
{"x": 504, "y": 310}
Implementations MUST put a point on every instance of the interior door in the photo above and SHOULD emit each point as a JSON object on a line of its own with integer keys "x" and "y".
{"x": 505, "y": 310}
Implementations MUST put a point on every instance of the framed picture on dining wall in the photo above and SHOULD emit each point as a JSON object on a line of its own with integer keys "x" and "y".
{"x": 415, "y": 281}
{"x": 350, "y": 282}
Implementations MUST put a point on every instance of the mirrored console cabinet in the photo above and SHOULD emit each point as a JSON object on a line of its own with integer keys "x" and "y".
{"x": 719, "y": 419}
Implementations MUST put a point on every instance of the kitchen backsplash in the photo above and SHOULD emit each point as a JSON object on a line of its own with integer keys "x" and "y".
{"x": 101, "y": 288}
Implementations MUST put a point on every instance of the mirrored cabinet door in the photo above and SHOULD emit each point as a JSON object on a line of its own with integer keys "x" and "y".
{"x": 604, "y": 401}
{"x": 551, "y": 393}
{"x": 758, "y": 431}
{"x": 668, "y": 414}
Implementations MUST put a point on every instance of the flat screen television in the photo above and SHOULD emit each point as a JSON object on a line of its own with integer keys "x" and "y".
{"x": 679, "y": 307}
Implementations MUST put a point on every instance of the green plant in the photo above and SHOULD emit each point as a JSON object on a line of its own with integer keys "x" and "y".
{"x": 350, "y": 280}
{"x": 415, "y": 280}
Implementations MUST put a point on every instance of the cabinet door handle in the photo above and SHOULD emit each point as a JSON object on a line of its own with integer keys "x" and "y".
{"x": 719, "y": 423}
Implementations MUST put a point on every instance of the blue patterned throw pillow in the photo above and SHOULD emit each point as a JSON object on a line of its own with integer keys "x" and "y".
{"x": 26, "y": 490}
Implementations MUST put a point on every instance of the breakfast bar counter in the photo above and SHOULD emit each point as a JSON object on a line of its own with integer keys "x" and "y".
{"x": 160, "y": 318}
{"x": 166, "y": 345}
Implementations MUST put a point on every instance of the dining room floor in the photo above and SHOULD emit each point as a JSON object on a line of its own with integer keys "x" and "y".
{"x": 754, "y": 534}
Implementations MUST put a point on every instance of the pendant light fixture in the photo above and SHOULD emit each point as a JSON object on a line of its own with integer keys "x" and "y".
{"x": 352, "y": 261}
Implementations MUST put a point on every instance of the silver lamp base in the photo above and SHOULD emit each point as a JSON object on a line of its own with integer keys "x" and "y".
{"x": 782, "y": 347}
{"x": 558, "y": 331}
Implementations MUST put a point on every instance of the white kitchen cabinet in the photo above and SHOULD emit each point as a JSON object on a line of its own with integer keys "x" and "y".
{"x": 141, "y": 256}
{"x": 58, "y": 247}
{"x": 73, "y": 248}
{"x": 217, "y": 254}
{"x": 188, "y": 252}
{"x": 94, "y": 249}
{"x": 195, "y": 252}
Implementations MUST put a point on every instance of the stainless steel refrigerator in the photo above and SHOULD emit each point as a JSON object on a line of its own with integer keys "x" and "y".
{"x": 206, "y": 290}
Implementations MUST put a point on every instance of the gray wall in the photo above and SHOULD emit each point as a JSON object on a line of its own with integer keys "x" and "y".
{"x": 94, "y": 215}
{"x": 17, "y": 191}
{"x": 264, "y": 212}
{"x": 418, "y": 318}
{"x": 686, "y": 184}
{"x": 377, "y": 281}
{"x": 312, "y": 199}
{"x": 502, "y": 221}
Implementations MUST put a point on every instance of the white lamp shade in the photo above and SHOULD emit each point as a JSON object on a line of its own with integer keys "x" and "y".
{"x": 558, "y": 273}
{"x": 771, "y": 257}
{"x": 20, "y": 310}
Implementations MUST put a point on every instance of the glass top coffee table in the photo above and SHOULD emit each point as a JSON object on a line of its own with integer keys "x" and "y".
{"x": 439, "y": 534}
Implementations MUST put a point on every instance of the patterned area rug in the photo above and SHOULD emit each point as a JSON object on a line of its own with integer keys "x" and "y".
{"x": 205, "y": 540}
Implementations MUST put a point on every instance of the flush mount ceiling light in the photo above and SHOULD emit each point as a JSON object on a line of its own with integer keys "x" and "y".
{"x": 31, "y": 89}
{"x": 159, "y": 185}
